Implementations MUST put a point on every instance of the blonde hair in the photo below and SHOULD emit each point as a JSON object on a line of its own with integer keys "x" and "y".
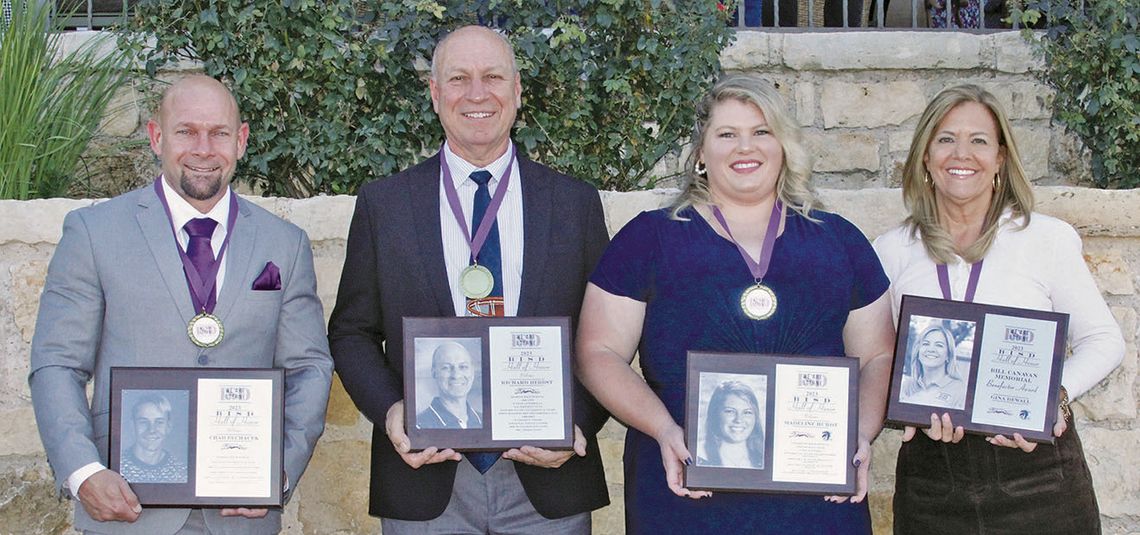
{"x": 793, "y": 186}
{"x": 1012, "y": 189}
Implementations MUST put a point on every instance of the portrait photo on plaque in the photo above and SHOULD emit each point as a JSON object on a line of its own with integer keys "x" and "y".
{"x": 199, "y": 437}
{"x": 730, "y": 422}
{"x": 994, "y": 370}
{"x": 938, "y": 360}
{"x": 155, "y": 436}
{"x": 488, "y": 384}
{"x": 449, "y": 387}
{"x": 771, "y": 423}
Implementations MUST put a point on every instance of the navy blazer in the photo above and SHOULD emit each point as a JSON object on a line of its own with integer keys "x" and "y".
{"x": 394, "y": 267}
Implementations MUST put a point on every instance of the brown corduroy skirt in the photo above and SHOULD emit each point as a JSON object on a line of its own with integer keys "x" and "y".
{"x": 974, "y": 487}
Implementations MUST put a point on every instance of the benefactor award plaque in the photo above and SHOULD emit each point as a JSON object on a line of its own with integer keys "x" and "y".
{"x": 771, "y": 423}
{"x": 993, "y": 369}
{"x": 199, "y": 437}
{"x": 488, "y": 384}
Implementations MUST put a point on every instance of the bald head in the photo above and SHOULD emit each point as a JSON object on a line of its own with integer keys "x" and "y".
{"x": 452, "y": 369}
{"x": 201, "y": 86}
{"x": 475, "y": 32}
{"x": 198, "y": 135}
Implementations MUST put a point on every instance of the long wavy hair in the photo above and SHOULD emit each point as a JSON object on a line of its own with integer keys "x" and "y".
{"x": 950, "y": 365}
{"x": 1012, "y": 188}
{"x": 713, "y": 438}
{"x": 793, "y": 186}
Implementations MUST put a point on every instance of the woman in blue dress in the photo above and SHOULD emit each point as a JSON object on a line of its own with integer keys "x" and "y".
{"x": 743, "y": 262}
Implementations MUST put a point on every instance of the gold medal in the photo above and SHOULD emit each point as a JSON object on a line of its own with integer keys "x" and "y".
{"x": 205, "y": 330}
{"x": 476, "y": 282}
{"x": 758, "y": 302}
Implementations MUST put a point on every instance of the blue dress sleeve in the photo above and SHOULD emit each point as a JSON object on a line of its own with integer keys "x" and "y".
{"x": 628, "y": 265}
{"x": 870, "y": 279}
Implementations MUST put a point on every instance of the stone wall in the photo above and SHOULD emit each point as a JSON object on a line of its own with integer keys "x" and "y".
{"x": 858, "y": 95}
{"x": 331, "y": 498}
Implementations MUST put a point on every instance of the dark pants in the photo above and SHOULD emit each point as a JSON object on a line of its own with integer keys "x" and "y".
{"x": 973, "y": 487}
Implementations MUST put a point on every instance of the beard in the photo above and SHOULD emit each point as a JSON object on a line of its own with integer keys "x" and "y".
{"x": 201, "y": 187}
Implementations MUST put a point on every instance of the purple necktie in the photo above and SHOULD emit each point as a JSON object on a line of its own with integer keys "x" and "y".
{"x": 199, "y": 250}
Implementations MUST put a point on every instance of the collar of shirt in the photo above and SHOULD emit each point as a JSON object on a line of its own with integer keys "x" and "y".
{"x": 461, "y": 169}
{"x": 1006, "y": 222}
{"x": 945, "y": 380}
{"x": 181, "y": 212}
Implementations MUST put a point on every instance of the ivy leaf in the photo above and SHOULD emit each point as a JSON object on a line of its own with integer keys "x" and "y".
{"x": 336, "y": 90}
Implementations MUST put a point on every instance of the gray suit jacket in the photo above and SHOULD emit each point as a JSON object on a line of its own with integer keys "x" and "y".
{"x": 116, "y": 295}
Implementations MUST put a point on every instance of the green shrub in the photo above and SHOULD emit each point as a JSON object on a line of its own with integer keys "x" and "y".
{"x": 336, "y": 93}
{"x": 1093, "y": 61}
{"x": 50, "y": 104}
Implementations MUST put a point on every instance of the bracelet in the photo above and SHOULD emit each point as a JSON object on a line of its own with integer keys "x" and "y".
{"x": 1066, "y": 410}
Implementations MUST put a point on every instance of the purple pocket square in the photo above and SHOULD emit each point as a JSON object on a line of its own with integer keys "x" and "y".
{"x": 270, "y": 278}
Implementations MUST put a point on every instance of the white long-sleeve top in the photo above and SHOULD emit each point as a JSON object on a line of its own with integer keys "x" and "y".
{"x": 1038, "y": 267}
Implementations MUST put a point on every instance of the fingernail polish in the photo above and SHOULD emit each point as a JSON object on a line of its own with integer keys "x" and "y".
{"x": 689, "y": 461}
{"x": 858, "y": 462}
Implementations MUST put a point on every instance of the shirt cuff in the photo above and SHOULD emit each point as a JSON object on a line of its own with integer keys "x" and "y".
{"x": 76, "y": 479}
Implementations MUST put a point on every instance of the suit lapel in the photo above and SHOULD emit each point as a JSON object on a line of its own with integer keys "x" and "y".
{"x": 237, "y": 258}
{"x": 156, "y": 229}
{"x": 538, "y": 212}
{"x": 423, "y": 200}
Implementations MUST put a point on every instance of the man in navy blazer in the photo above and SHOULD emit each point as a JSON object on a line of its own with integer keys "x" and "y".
{"x": 404, "y": 257}
{"x": 117, "y": 294}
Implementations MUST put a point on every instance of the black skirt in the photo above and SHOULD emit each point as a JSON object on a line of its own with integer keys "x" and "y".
{"x": 974, "y": 487}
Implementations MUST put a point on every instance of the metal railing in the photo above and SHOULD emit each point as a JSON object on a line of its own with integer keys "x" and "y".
{"x": 749, "y": 14}
{"x": 93, "y": 14}
{"x": 79, "y": 14}
{"x": 873, "y": 14}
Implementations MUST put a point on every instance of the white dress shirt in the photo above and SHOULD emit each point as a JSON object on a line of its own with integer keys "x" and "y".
{"x": 181, "y": 212}
{"x": 1037, "y": 267}
{"x": 457, "y": 252}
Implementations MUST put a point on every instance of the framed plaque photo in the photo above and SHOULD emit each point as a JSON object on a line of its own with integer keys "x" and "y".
{"x": 995, "y": 370}
{"x": 199, "y": 437}
{"x": 488, "y": 384}
{"x": 771, "y": 423}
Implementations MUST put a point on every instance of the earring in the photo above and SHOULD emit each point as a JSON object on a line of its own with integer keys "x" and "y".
{"x": 700, "y": 169}
{"x": 929, "y": 181}
{"x": 997, "y": 181}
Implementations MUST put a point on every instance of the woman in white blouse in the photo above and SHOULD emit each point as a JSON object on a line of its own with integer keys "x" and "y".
{"x": 969, "y": 202}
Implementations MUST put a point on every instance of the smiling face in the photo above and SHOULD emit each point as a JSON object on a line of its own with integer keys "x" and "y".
{"x": 199, "y": 138}
{"x": 737, "y": 419}
{"x": 452, "y": 371}
{"x": 964, "y": 156}
{"x": 933, "y": 349}
{"x": 476, "y": 92}
{"x": 152, "y": 425}
{"x": 743, "y": 158}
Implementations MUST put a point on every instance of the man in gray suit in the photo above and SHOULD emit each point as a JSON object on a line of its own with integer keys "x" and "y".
{"x": 132, "y": 273}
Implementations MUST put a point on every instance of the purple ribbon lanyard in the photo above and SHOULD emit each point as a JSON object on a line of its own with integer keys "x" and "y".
{"x": 475, "y": 243}
{"x": 971, "y": 286}
{"x": 200, "y": 283}
{"x": 758, "y": 269}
